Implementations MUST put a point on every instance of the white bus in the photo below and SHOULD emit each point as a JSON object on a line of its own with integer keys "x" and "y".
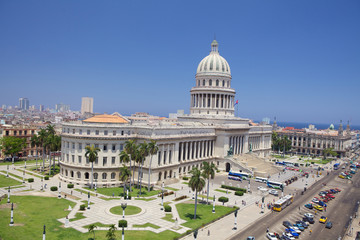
{"x": 276, "y": 185}
{"x": 261, "y": 179}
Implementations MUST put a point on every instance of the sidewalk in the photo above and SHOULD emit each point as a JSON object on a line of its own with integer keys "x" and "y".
{"x": 354, "y": 228}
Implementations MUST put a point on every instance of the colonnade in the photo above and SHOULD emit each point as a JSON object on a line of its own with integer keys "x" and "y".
{"x": 165, "y": 153}
{"x": 195, "y": 150}
{"x": 255, "y": 141}
{"x": 206, "y": 100}
{"x": 237, "y": 143}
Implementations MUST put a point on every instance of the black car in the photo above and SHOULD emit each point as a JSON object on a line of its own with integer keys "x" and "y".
{"x": 302, "y": 223}
{"x": 287, "y": 224}
{"x": 308, "y": 219}
{"x": 328, "y": 225}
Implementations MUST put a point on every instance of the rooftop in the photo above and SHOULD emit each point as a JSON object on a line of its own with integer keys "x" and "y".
{"x": 105, "y": 118}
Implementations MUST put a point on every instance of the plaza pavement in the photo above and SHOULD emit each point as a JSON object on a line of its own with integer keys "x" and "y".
{"x": 151, "y": 213}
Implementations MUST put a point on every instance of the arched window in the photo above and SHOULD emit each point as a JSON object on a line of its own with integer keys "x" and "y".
{"x": 71, "y": 174}
{"x": 204, "y": 82}
{"x": 223, "y": 83}
{"x": 104, "y": 175}
{"x": 210, "y": 82}
{"x": 86, "y": 175}
{"x": 78, "y": 175}
{"x": 113, "y": 175}
{"x": 159, "y": 176}
{"x": 95, "y": 176}
{"x": 66, "y": 172}
{"x": 179, "y": 169}
{"x": 217, "y": 82}
{"x": 165, "y": 174}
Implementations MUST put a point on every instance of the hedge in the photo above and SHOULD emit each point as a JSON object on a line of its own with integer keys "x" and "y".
{"x": 167, "y": 208}
{"x": 70, "y": 185}
{"x": 234, "y": 188}
{"x": 223, "y": 199}
{"x": 53, "y": 188}
{"x": 122, "y": 223}
{"x": 180, "y": 198}
{"x": 30, "y": 180}
{"x": 46, "y": 177}
{"x": 239, "y": 193}
{"x": 185, "y": 178}
{"x": 82, "y": 207}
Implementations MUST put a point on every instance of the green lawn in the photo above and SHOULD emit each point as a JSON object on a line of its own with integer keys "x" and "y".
{"x": 172, "y": 189}
{"x": 86, "y": 202}
{"x": 203, "y": 214}
{"x": 84, "y": 192}
{"x": 22, "y": 162}
{"x": 78, "y": 216}
{"x": 28, "y": 172}
{"x": 146, "y": 225}
{"x": 6, "y": 182}
{"x": 219, "y": 190}
{"x": 98, "y": 224}
{"x": 145, "y": 199}
{"x": 32, "y": 212}
{"x": 280, "y": 156}
{"x": 321, "y": 161}
{"x": 119, "y": 190}
{"x": 129, "y": 210}
{"x": 14, "y": 175}
{"x": 168, "y": 217}
{"x": 204, "y": 196}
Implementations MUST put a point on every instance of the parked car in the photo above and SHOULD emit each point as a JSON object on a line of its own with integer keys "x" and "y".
{"x": 292, "y": 232}
{"x": 274, "y": 192}
{"x": 309, "y": 215}
{"x": 322, "y": 203}
{"x": 318, "y": 207}
{"x": 309, "y": 206}
{"x": 309, "y": 220}
{"x": 304, "y": 224}
{"x": 323, "y": 219}
{"x": 328, "y": 225}
{"x": 299, "y": 226}
{"x": 250, "y": 238}
{"x": 286, "y": 224}
{"x": 288, "y": 236}
{"x": 271, "y": 236}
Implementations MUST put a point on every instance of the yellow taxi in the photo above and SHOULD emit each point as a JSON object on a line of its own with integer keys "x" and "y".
{"x": 323, "y": 219}
{"x": 341, "y": 176}
{"x": 317, "y": 207}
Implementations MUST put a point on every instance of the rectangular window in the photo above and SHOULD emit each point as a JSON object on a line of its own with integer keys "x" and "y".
{"x": 73, "y": 130}
{"x": 32, "y": 131}
{"x": 105, "y": 132}
{"x": 67, "y": 157}
{"x": 68, "y": 145}
{"x": 96, "y": 145}
{"x": 73, "y": 158}
{"x": 114, "y": 133}
{"x": 15, "y": 133}
{"x": 96, "y": 132}
{"x": 88, "y": 132}
{"x": 79, "y": 158}
{"x": 113, "y": 160}
{"x": 169, "y": 156}
{"x": 25, "y": 132}
{"x": 105, "y": 147}
{"x": 113, "y": 147}
{"x": 104, "y": 161}
{"x": 68, "y": 130}
{"x": 164, "y": 157}
{"x": 73, "y": 145}
{"x": 122, "y": 132}
{"x": 80, "y": 146}
{"x": 87, "y": 160}
{"x": 96, "y": 160}
{"x": 121, "y": 147}
{"x": 159, "y": 158}
{"x": 80, "y": 131}
{"x": 20, "y": 132}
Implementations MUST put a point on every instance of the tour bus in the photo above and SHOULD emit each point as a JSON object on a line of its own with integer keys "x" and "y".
{"x": 239, "y": 176}
{"x": 283, "y": 203}
{"x": 336, "y": 166}
{"x": 276, "y": 185}
{"x": 261, "y": 179}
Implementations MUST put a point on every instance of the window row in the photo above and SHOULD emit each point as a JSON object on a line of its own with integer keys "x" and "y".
{"x": 97, "y": 132}
{"x": 104, "y": 176}
{"x": 79, "y": 159}
{"x": 210, "y": 82}
{"x": 104, "y": 147}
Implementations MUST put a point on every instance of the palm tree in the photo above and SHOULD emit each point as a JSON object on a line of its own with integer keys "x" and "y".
{"x": 91, "y": 153}
{"x": 110, "y": 235}
{"x": 42, "y": 135}
{"x": 91, "y": 229}
{"x": 144, "y": 152}
{"x": 125, "y": 174}
{"x": 129, "y": 148}
{"x": 153, "y": 149}
{"x": 196, "y": 183}
{"x": 35, "y": 142}
{"x": 125, "y": 158}
{"x": 208, "y": 172}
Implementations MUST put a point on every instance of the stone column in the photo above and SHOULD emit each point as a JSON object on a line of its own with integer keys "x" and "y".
{"x": 191, "y": 151}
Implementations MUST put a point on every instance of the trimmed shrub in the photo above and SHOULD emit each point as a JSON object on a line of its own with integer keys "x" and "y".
{"x": 223, "y": 199}
{"x": 46, "y": 178}
{"x": 53, "y": 188}
{"x": 185, "y": 178}
{"x": 180, "y": 198}
{"x": 234, "y": 188}
{"x": 167, "y": 208}
{"x": 239, "y": 193}
{"x": 30, "y": 180}
{"x": 70, "y": 185}
{"x": 82, "y": 207}
{"x": 122, "y": 223}
{"x": 312, "y": 162}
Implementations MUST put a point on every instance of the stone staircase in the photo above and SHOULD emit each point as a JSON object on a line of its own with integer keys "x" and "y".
{"x": 257, "y": 165}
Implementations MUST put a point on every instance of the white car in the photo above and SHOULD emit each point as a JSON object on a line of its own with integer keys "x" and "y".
{"x": 261, "y": 188}
{"x": 297, "y": 230}
{"x": 274, "y": 192}
{"x": 309, "y": 215}
{"x": 271, "y": 236}
{"x": 289, "y": 236}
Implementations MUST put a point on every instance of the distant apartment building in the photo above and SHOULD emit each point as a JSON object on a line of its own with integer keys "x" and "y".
{"x": 21, "y": 132}
{"x": 24, "y": 103}
{"x": 87, "y": 105}
{"x": 62, "y": 107}
{"x": 41, "y": 108}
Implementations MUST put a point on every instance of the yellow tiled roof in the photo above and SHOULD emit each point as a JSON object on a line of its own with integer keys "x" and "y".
{"x": 105, "y": 118}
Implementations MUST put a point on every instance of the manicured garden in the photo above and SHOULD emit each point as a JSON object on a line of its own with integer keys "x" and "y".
{"x": 7, "y": 181}
{"x": 117, "y": 191}
{"x": 129, "y": 210}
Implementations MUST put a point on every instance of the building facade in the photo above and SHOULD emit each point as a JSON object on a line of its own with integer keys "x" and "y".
{"x": 24, "y": 103}
{"x": 87, "y": 105}
{"x": 209, "y": 133}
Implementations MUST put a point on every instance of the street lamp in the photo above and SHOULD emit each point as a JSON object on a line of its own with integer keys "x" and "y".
{"x": 123, "y": 206}
{"x": 42, "y": 183}
{"x": 8, "y": 201}
{"x": 24, "y": 176}
{"x": 59, "y": 190}
{"x": 25, "y": 164}
{"x": 162, "y": 197}
{"x": 235, "y": 223}
{"x": 12, "y": 215}
{"x": 88, "y": 207}
{"x": 44, "y": 233}
{"x": 213, "y": 210}
{"x": 95, "y": 184}
{"x": 7, "y": 171}
{"x": 123, "y": 234}
{"x": 195, "y": 234}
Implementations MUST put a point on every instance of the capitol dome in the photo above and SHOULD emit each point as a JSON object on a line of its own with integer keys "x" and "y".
{"x": 214, "y": 63}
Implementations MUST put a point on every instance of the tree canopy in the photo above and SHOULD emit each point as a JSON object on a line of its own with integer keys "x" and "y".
{"x": 12, "y": 145}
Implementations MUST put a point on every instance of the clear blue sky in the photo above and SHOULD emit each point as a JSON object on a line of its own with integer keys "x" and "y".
{"x": 296, "y": 60}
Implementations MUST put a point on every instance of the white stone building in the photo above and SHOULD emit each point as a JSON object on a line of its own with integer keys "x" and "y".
{"x": 206, "y": 134}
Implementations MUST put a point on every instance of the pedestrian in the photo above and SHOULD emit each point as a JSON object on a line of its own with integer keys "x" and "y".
{"x": 208, "y": 232}
{"x": 267, "y": 230}
{"x": 71, "y": 192}
{"x": 310, "y": 232}
{"x": 299, "y": 208}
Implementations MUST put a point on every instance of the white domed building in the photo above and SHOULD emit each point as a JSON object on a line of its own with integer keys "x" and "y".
{"x": 206, "y": 134}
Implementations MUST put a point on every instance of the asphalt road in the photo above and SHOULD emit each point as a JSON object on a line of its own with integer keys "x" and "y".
{"x": 339, "y": 211}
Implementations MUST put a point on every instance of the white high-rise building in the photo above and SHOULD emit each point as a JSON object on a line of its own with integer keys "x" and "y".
{"x": 87, "y": 105}
{"x": 24, "y": 103}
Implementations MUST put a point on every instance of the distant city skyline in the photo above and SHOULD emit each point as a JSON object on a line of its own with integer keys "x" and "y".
{"x": 298, "y": 61}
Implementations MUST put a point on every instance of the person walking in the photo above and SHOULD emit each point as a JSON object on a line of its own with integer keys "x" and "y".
{"x": 208, "y": 232}
{"x": 267, "y": 230}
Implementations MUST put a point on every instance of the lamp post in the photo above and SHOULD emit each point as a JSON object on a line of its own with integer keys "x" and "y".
{"x": 123, "y": 206}
{"x": 235, "y": 223}
{"x": 122, "y": 234}
{"x": 44, "y": 233}
{"x": 12, "y": 215}
{"x": 8, "y": 201}
{"x": 88, "y": 207}
{"x": 7, "y": 171}
{"x": 24, "y": 176}
{"x": 42, "y": 183}
{"x": 162, "y": 197}
{"x": 25, "y": 164}
{"x": 95, "y": 185}
{"x": 213, "y": 210}
{"x": 59, "y": 190}
{"x": 249, "y": 186}
{"x": 195, "y": 234}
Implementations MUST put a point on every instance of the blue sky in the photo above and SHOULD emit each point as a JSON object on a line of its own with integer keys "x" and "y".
{"x": 296, "y": 60}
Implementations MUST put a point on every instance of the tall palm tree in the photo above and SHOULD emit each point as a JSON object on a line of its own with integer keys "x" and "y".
{"x": 35, "y": 142}
{"x": 110, "y": 234}
{"x": 129, "y": 148}
{"x": 92, "y": 154}
{"x": 208, "y": 172}
{"x": 144, "y": 152}
{"x": 125, "y": 175}
{"x": 42, "y": 135}
{"x": 196, "y": 183}
{"x": 153, "y": 149}
{"x": 91, "y": 229}
{"x": 125, "y": 158}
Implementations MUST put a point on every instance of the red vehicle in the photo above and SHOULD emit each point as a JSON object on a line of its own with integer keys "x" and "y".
{"x": 337, "y": 189}
{"x": 330, "y": 196}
